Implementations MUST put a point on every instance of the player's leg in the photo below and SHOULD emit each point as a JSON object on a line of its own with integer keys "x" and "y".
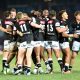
{"x": 66, "y": 49}
{"x": 13, "y": 51}
{"x": 49, "y": 61}
{"x": 57, "y": 52}
{"x": 20, "y": 57}
{"x": 75, "y": 49}
{"x": 28, "y": 59}
{"x": 5, "y": 55}
{"x": 37, "y": 52}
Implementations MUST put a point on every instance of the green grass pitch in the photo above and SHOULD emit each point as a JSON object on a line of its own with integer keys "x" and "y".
{"x": 74, "y": 75}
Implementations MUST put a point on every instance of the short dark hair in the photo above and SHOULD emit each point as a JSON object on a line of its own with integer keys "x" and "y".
{"x": 60, "y": 13}
{"x": 52, "y": 13}
{"x": 6, "y": 14}
{"x": 77, "y": 13}
{"x": 13, "y": 10}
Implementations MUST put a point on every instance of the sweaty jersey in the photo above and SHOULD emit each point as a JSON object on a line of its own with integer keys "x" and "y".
{"x": 63, "y": 24}
{"x": 38, "y": 34}
{"x": 25, "y": 28}
{"x": 50, "y": 30}
{"x": 15, "y": 36}
{"x": 8, "y": 24}
{"x": 76, "y": 29}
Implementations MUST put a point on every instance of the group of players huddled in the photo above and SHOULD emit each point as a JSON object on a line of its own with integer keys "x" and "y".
{"x": 27, "y": 36}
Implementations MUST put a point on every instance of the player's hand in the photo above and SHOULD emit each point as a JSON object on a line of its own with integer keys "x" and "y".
{"x": 7, "y": 31}
{"x": 75, "y": 35}
{"x": 42, "y": 27}
{"x": 21, "y": 34}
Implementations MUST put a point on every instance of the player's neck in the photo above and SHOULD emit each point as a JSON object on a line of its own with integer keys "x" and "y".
{"x": 53, "y": 17}
{"x": 63, "y": 19}
{"x": 78, "y": 21}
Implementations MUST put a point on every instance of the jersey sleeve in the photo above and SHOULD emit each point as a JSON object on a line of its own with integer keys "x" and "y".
{"x": 57, "y": 24}
{"x": 33, "y": 20}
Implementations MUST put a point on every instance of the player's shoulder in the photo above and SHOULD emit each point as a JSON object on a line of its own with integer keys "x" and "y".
{"x": 56, "y": 20}
{"x": 73, "y": 24}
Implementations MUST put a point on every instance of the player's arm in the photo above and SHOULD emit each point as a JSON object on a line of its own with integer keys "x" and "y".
{"x": 70, "y": 35}
{"x": 73, "y": 33}
{"x": 36, "y": 25}
{"x": 19, "y": 33}
{"x": 59, "y": 29}
{"x": 66, "y": 35}
{"x": 3, "y": 29}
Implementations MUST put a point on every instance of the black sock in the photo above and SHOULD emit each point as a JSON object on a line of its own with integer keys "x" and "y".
{"x": 51, "y": 64}
{"x": 25, "y": 68}
{"x": 6, "y": 65}
{"x": 70, "y": 68}
{"x": 46, "y": 62}
{"x": 28, "y": 69}
{"x": 66, "y": 68}
{"x": 34, "y": 57}
{"x": 38, "y": 65}
{"x": 19, "y": 67}
{"x": 61, "y": 64}
{"x": 3, "y": 64}
{"x": 15, "y": 69}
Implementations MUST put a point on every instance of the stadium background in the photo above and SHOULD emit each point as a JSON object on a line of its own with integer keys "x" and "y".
{"x": 27, "y": 5}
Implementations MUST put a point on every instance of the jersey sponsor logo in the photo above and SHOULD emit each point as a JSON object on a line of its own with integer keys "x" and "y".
{"x": 42, "y": 22}
{"x": 57, "y": 24}
{"x": 8, "y": 22}
{"x": 50, "y": 21}
{"x": 21, "y": 22}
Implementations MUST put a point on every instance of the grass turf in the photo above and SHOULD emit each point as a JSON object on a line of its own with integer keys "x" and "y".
{"x": 75, "y": 75}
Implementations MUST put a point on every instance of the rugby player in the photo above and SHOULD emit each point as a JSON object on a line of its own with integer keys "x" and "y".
{"x": 76, "y": 41}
